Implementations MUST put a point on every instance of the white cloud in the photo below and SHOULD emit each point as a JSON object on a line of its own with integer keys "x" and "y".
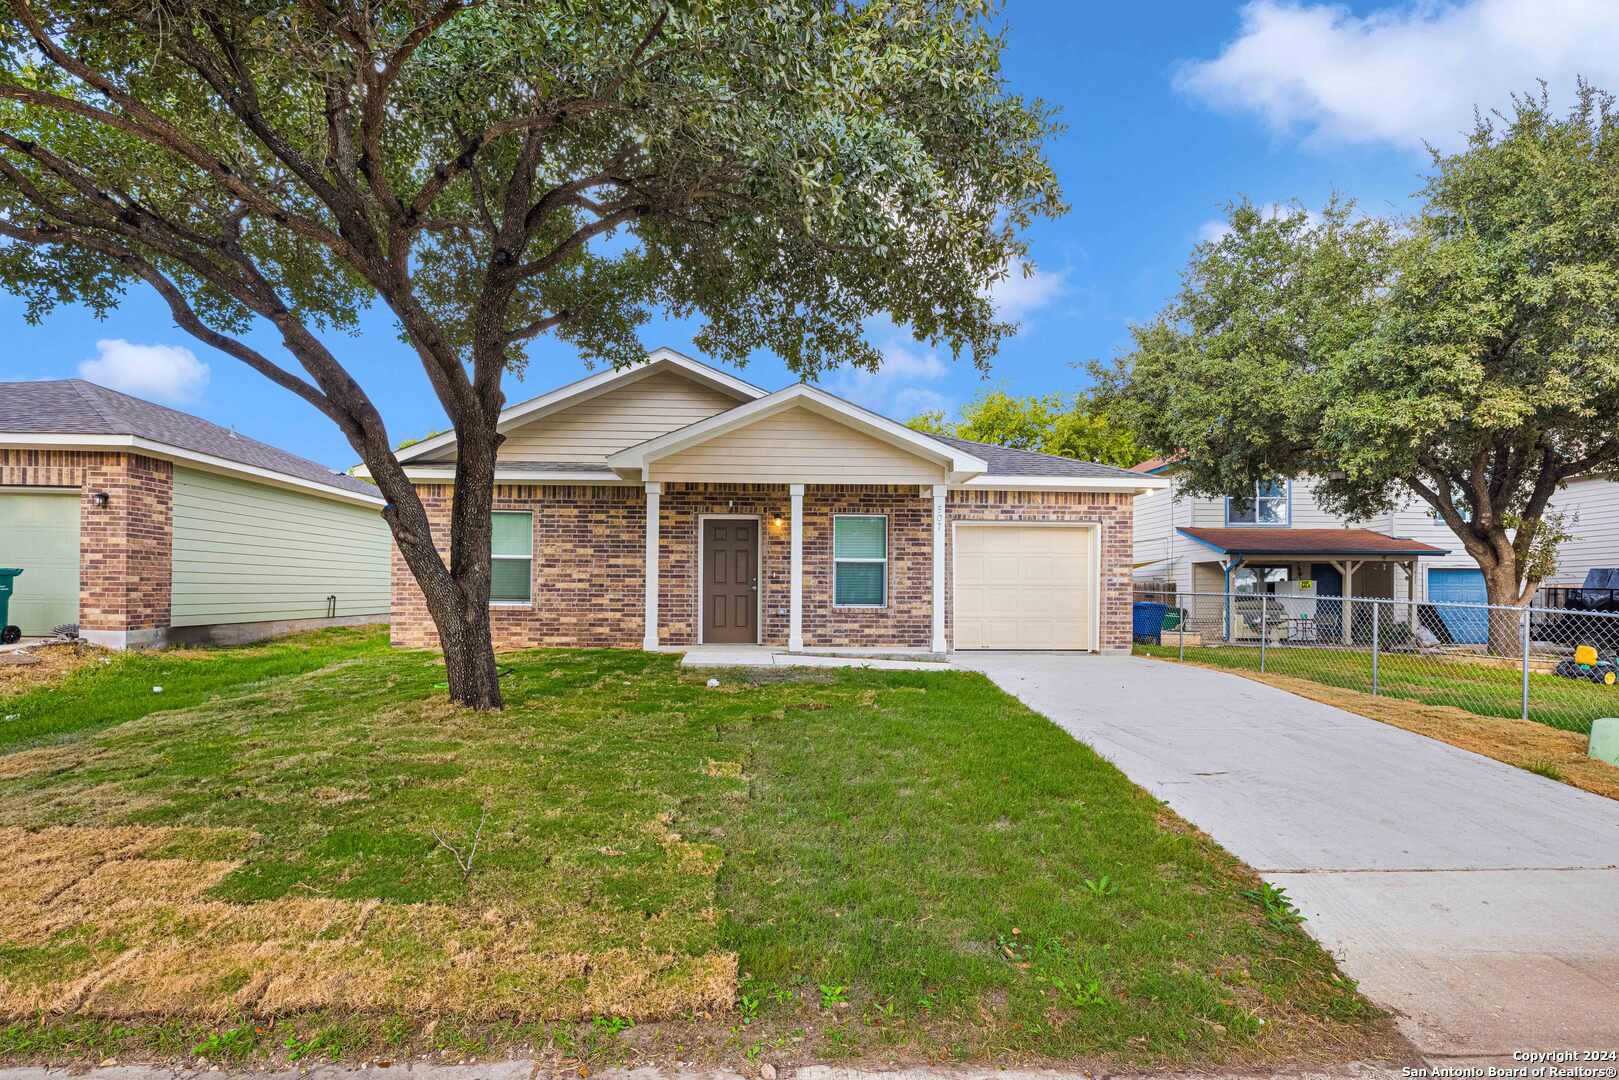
{"x": 1403, "y": 74}
{"x": 1017, "y": 296}
{"x": 166, "y": 372}
{"x": 901, "y": 387}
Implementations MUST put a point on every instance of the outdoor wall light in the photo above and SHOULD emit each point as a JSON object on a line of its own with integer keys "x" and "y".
{"x": 777, "y": 522}
{"x": 100, "y": 500}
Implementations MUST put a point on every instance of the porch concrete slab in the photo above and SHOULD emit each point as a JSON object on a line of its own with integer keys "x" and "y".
{"x": 757, "y": 656}
{"x": 1479, "y": 901}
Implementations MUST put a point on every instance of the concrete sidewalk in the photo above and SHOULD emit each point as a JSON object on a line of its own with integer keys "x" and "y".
{"x": 1479, "y": 901}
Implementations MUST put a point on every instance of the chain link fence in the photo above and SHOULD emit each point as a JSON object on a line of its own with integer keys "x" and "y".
{"x": 1550, "y": 665}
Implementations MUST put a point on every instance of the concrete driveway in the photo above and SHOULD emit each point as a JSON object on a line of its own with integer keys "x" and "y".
{"x": 1478, "y": 901}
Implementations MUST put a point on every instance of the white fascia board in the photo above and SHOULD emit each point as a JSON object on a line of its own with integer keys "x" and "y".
{"x": 1139, "y": 486}
{"x": 446, "y": 473}
{"x": 595, "y": 385}
{"x": 193, "y": 458}
{"x": 634, "y": 459}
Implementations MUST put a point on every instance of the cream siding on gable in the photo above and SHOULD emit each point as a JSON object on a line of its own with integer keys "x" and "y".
{"x": 244, "y": 552}
{"x": 607, "y": 423}
{"x": 796, "y": 446}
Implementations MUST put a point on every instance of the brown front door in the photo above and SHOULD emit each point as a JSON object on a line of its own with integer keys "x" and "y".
{"x": 730, "y": 581}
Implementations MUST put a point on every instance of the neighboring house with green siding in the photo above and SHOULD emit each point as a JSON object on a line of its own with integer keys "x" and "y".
{"x": 144, "y": 525}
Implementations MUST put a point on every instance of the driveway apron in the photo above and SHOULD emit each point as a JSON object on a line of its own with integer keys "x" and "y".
{"x": 1478, "y": 901}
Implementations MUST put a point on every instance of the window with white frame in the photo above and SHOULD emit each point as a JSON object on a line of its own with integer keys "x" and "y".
{"x": 511, "y": 550}
{"x": 1268, "y": 506}
{"x": 859, "y": 560}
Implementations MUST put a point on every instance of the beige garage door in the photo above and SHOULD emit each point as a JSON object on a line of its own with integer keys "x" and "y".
{"x": 1023, "y": 587}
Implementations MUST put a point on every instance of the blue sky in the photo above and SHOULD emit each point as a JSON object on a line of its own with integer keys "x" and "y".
{"x": 1172, "y": 108}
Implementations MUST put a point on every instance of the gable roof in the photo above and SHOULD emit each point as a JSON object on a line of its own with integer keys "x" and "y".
{"x": 593, "y": 386}
{"x": 958, "y": 462}
{"x": 1251, "y": 541}
{"x": 70, "y": 413}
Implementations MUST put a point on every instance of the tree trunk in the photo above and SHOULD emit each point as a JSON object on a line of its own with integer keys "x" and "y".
{"x": 469, "y": 655}
{"x": 457, "y": 595}
{"x": 1502, "y": 593}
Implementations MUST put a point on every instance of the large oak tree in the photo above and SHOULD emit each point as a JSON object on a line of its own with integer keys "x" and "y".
{"x": 1467, "y": 356}
{"x": 490, "y": 172}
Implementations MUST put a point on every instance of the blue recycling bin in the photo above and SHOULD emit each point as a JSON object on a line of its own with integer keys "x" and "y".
{"x": 1147, "y": 621}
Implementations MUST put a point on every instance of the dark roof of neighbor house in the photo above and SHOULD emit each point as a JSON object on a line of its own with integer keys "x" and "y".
{"x": 76, "y": 407}
{"x": 1251, "y": 541}
{"x": 1005, "y": 461}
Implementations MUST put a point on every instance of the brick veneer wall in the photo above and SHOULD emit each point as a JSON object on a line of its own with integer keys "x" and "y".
{"x": 1112, "y": 511}
{"x": 125, "y": 548}
{"x": 589, "y": 577}
{"x": 906, "y": 620}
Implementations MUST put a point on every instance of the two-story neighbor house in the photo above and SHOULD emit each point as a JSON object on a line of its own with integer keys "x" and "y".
{"x": 671, "y": 504}
{"x": 1282, "y": 542}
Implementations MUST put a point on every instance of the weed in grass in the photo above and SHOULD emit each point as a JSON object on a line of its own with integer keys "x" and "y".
{"x": 1102, "y": 886}
{"x": 748, "y": 1007}
{"x": 1547, "y": 769}
{"x": 1082, "y": 993}
{"x": 833, "y": 995}
{"x": 1280, "y": 911}
{"x": 1013, "y": 947}
{"x": 612, "y": 1026}
{"x": 232, "y": 1044}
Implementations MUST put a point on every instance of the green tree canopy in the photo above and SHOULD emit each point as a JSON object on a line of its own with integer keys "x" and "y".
{"x": 1468, "y": 356}
{"x": 489, "y": 172}
{"x": 1065, "y": 424}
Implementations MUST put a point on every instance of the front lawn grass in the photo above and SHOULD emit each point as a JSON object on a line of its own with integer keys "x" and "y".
{"x": 1477, "y": 687}
{"x": 885, "y": 866}
{"x": 103, "y": 688}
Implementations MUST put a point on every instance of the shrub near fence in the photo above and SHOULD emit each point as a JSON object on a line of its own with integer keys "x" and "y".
{"x": 1552, "y": 666}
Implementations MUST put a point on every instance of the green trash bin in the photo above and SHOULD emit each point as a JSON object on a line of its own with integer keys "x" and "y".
{"x": 9, "y": 635}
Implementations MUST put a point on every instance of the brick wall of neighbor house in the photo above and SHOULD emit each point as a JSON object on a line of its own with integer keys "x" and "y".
{"x": 589, "y": 577}
{"x": 588, "y": 583}
{"x": 125, "y": 548}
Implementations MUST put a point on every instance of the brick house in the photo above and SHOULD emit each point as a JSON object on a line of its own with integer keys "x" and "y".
{"x": 671, "y": 504}
{"x": 145, "y": 525}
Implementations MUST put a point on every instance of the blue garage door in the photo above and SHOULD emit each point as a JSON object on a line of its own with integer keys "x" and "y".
{"x": 1467, "y": 626}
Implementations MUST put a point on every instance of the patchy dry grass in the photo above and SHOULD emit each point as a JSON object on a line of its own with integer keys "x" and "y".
{"x": 881, "y": 866}
{"x": 45, "y": 665}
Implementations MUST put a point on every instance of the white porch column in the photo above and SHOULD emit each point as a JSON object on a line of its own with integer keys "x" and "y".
{"x": 795, "y": 570}
{"x": 938, "y": 493}
{"x": 654, "y": 500}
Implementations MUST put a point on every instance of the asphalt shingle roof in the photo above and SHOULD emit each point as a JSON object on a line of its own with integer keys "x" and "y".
{"x": 1252, "y": 541}
{"x": 76, "y": 407}
{"x": 1004, "y": 461}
